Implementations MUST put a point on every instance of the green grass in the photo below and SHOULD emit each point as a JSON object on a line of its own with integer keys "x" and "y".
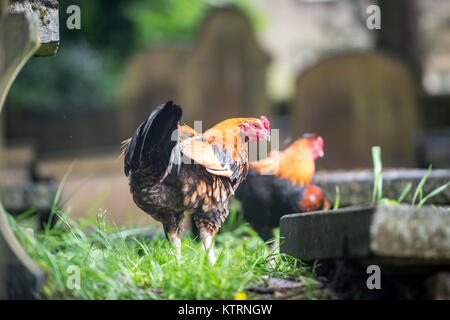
{"x": 377, "y": 175}
{"x": 338, "y": 197}
{"x": 377, "y": 194}
{"x": 115, "y": 264}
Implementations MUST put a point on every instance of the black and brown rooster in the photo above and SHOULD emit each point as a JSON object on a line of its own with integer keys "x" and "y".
{"x": 280, "y": 184}
{"x": 209, "y": 168}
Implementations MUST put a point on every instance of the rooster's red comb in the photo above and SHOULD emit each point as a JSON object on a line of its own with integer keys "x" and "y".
{"x": 265, "y": 122}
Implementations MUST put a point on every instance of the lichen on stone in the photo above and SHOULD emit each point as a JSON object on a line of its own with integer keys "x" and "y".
{"x": 407, "y": 231}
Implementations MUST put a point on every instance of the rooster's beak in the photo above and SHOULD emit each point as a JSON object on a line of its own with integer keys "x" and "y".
{"x": 321, "y": 154}
{"x": 267, "y": 137}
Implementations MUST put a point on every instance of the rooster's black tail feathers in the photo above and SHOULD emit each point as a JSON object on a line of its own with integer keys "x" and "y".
{"x": 151, "y": 144}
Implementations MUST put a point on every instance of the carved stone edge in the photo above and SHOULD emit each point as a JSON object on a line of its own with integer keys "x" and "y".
{"x": 20, "y": 268}
{"x": 13, "y": 67}
{"x": 20, "y": 277}
{"x": 403, "y": 234}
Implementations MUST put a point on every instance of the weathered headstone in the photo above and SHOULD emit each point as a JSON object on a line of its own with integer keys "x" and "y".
{"x": 355, "y": 101}
{"x": 225, "y": 73}
{"x": 222, "y": 76}
{"x": 151, "y": 77}
{"x": 20, "y": 278}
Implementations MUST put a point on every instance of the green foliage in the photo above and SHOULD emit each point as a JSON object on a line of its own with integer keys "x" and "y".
{"x": 378, "y": 185}
{"x": 377, "y": 174}
{"x": 338, "y": 196}
{"x": 433, "y": 193}
{"x": 404, "y": 192}
{"x": 158, "y": 22}
{"x": 104, "y": 27}
{"x": 115, "y": 266}
{"x": 420, "y": 186}
{"x": 165, "y": 21}
{"x": 85, "y": 72}
{"x": 79, "y": 76}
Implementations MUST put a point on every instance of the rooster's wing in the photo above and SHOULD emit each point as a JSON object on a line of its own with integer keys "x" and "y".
{"x": 210, "y": 151}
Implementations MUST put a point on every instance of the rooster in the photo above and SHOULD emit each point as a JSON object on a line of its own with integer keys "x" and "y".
{"x": 209, "y": 168}
{"x": 280, "y": 184}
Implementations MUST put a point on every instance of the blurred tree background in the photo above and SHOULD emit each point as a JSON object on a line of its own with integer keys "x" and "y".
{"x": 77, "y": 92}
{"x": 85, "y": 72}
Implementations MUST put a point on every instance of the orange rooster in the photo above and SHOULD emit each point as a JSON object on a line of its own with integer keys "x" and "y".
{"x": 280, "y": 184}
{"x": 209, "y": 168}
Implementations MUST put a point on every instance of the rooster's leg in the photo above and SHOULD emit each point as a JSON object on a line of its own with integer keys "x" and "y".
{"x": 207, "y": 238}
{"x": 175, "y": 238}
{"x": 173, "y": 230}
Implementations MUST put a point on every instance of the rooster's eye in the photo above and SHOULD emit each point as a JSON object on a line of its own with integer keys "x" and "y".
{"x": 255, "y": 126}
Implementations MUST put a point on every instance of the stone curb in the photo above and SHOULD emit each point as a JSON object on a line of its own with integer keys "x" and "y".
{"x": 385, "y": 231}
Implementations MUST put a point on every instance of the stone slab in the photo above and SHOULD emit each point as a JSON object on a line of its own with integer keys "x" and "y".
{"x": 399, "y": 235}
{"x": 411, "y": 232}
{"x": 327, "y": 234}
{"x": 20, "y": 277}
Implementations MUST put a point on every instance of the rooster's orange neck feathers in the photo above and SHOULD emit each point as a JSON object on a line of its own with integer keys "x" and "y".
{"x": 229, "y": 124}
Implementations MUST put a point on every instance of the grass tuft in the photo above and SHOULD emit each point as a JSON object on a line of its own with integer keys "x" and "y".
{"x": 378, "y": 184}
{"x": 336, "y": 202}
{"x": 419, "y": 188}
{"x": 119, "y": 264}
{"x": 377, "y": 175}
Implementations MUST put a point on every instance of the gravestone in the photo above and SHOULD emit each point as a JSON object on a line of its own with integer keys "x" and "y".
{"x": 221, "y": 76}
{"x": 356, "y": 101}
{"x": 20, "y": 35}
{"x": 225, "y": 72}
{"x": 151, "y": 77}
